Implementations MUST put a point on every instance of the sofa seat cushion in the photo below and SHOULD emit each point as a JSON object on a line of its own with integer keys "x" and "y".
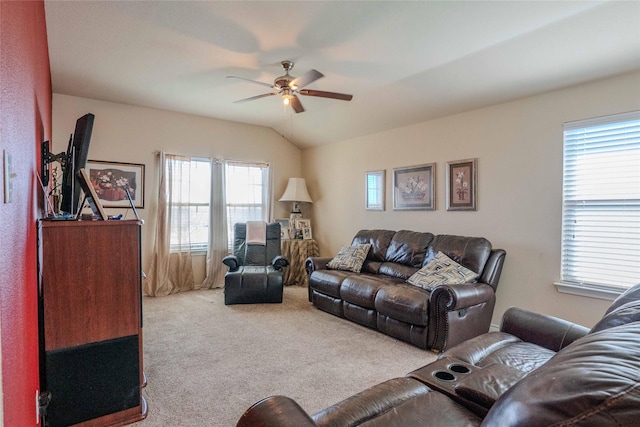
{"x": 595, "y": 381}
{"x": 403, "y": 302}
{"x": 396, "y": 402}
{"x": 524, "y": 356}
{"x": 328, "y": 281}
{"x": 362, "y": 289}
{"x": 500, "y": 348}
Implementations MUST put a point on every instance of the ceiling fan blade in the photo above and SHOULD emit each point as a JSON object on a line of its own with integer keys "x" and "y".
{"x": 323, "y": 94}
{"x": 249, "y": 80}
{"x": 240, "y": 101}
{"x": 308, "y": 77}
{"x": 296, "y": 104}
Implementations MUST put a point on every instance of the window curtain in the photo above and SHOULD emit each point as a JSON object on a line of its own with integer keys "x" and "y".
{"x": 218, "y": 247}
{"x": 171, "y": 272}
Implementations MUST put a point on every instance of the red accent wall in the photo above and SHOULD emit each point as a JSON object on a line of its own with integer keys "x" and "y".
{"x": 25, "y": 121}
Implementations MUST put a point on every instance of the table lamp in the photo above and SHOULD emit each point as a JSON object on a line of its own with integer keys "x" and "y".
{"x": 297, "y": 193}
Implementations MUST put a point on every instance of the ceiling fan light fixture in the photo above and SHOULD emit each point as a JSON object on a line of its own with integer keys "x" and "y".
{"x": 289, "y": 87}
{"x": 286, "y": 96}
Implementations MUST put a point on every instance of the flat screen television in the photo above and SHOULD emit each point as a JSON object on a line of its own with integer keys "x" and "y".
{"x": 77, "y": 153}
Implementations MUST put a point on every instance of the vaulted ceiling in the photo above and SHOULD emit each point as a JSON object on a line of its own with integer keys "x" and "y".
{"x": 404, "y": 62}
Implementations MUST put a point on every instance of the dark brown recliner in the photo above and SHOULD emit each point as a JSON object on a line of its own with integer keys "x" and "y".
{"x": 255, "y": 271}
{"x": 537, "y": 370}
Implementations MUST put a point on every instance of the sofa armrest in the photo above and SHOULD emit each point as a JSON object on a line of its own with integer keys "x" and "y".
{"x": 232, "y": 262}
{"x": 275, "y": 411}
{"x": 459, "y": 312}
{"x": 312, "y": 264}
{"x": 493, "y": 268}
{"x": 457, "y": 297}
{"x": 279, "y": 262}
{"x": 546, "y": 331}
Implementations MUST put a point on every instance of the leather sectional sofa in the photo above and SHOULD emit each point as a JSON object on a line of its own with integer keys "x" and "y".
{"x": 536, "y": 371}
{"x": 379, "y": 297}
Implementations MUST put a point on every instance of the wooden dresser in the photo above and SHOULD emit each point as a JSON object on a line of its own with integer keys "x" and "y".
{"x": 90, "y": 321}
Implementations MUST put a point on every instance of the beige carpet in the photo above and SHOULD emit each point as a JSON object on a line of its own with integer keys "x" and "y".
{"x": 206, "y": 363}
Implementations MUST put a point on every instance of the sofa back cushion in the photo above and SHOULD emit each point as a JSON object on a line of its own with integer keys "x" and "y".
{"x": 631, "y": 294}
{"x": 408, "y": 248}
{"x": 595, "y": 381}
{"x": 625, "y": 309}
{"x": 379, "y": 241}
{"x": 627, "y": 313}
{"x": 393, "y": 269}
{"x": 471, "y": 252}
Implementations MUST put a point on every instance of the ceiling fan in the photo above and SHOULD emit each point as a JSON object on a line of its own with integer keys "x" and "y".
{"x": 290, "y": 87}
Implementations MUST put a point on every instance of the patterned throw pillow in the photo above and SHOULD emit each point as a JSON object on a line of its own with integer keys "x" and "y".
{"x": 350, "y": 258}
{"x": 441, "y": 270}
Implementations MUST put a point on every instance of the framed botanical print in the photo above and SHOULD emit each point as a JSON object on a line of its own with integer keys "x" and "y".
{"x": 462, "y": 185}
{"x": 414, "y": 187}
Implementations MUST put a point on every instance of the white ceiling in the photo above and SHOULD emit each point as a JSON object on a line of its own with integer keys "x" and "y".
{"x": 404, "y": 62}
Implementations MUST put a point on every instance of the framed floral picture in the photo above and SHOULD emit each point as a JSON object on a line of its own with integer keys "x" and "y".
{"x": 414, "y": 187}
{"x": 110, "y": 179}
{"x": 462, "y": 184}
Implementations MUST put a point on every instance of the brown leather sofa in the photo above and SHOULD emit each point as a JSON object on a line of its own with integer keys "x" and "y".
{"x": 380, "y": 298}
{"x": 537, "y": 371}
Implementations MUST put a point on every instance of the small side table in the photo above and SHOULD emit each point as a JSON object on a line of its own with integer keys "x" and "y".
{"x": 297, "y": 251}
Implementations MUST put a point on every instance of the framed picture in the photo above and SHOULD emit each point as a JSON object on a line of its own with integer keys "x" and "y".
{"x": 414, "y": 187}
{"x": 90, "y": 194}
{"x": 306, "y": 233}
{"x": 284, "y": 228}
{"x": 374, "y": 190}
{"x": 302, "y": 223}
{"x": 110, "y": 180}
{"x": 462, "y": 183}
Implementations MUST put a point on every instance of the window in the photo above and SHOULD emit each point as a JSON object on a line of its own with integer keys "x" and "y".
{"x": 601, "y": 203}
{"x": 375, "y": 191}
{"x": 247, "y": 194}
{"x": 189, "y": 195}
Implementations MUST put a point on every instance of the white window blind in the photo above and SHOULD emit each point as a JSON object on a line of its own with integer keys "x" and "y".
{"x": 601, "y": 202}
{"x": 375, "y": 191}
{"x": 190, "y": 193}
{"x": 247, "y": 193}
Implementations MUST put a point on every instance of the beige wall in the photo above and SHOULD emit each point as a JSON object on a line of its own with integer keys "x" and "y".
{"x": 123, "y": 133}
{"x": 519, "y": 150}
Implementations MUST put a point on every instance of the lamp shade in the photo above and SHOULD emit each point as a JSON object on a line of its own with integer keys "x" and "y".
{"x": 296, "y": 191}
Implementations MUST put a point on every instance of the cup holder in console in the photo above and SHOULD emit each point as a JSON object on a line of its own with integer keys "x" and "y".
{"x": 460, "y": 369}
{"x": 444, "y": 376}
{"x": 451, "y": 371}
